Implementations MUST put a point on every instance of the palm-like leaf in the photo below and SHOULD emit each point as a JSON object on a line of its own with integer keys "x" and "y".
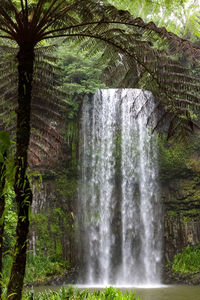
{"x": 117, "y": 32}
{"x": 44, "y": 110}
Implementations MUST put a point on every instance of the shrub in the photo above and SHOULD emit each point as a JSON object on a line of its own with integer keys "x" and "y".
{"x": 41, "y": 267}
{"x": 71, "y": 293}
{"x": 187, "y": 261}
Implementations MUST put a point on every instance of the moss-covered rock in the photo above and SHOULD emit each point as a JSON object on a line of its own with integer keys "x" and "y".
{"x": 182, "y": 215}
{"x": 181, "y": 198}
{"x": 53, "y": 227}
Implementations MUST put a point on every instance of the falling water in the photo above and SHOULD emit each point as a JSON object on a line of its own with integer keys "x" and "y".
{"x": 118, "y": 190}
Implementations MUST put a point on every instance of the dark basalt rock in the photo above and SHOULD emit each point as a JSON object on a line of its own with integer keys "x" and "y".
{"x": 181, "y": 199}
{"x": 177, "y": 278}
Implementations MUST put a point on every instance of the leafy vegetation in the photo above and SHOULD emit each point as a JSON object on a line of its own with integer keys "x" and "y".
{"x": 177, "y": 16}
{"x": 73, "y": 293}
{"x": 187, "y": 261}
{"x": 173, "y": 159}
{"x": 81, "y": 71}
{"x": 10, "y": 221}
{"x": 178, "y": 158}
{"x": 40, "y": 268}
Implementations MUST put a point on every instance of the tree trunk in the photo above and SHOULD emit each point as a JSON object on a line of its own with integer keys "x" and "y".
{"x": 2, "y": 208}
{"x": 22, "y": 187}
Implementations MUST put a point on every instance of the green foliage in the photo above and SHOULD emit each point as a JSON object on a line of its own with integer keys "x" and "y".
{"x": 67, "y": 186}
{"x": 187, "y": 261}
{"x": 46, "y": 227}
{"x": 178, "y": 16}
{"x": 81, "y": 72}
{"x": 55, "y": 225}
{"x": 7, "y": 157}
{"x": 172, "y": 159}
{"x": 74, "y": 293}
{"x": 179, "y": 158}
{"x": 39, "y": 268}
{"x": 147, "y": 8}
{"x": 10, "y": 221}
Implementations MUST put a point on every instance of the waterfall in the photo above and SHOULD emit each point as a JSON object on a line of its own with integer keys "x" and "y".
{"x": 120, "y": 215}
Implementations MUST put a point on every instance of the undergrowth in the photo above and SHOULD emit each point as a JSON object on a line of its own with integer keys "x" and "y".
{"x": 70, "y": 293}
{"x": 188, "y": 261}
{"x": 40, "y": 267}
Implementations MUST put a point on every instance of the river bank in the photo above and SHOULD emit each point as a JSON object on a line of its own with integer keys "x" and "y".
{"x": 171, "y": 277}
{"x": 71, "y": 276}
{"x": 164, "y": 292}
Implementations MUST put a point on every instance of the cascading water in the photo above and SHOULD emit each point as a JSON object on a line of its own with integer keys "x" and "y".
{"x": 118, "y": 190}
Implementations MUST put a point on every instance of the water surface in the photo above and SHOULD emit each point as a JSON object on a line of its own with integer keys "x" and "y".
{"x": 172, "y": 292}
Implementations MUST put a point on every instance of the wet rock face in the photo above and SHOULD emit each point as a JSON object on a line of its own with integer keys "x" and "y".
{"x": 177, "y": 278}
{"x": 53, "y": 217}
{"x": 181, "y": 200}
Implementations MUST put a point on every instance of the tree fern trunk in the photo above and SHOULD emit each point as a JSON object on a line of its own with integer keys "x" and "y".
{"x": 22, "y": 187}
{"x": 2, "y": 208}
